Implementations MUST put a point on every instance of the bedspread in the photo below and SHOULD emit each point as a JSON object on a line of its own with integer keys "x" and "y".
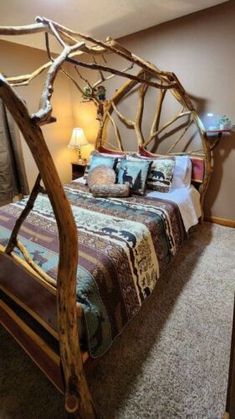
{"x": 124, "y": 245}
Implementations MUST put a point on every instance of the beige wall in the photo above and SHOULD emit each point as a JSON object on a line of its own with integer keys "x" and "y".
{"x": 16, "y": 60}
{"x": 200, "y": 49}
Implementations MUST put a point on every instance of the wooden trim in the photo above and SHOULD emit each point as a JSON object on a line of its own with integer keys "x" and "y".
{"x": 222, "y": 221}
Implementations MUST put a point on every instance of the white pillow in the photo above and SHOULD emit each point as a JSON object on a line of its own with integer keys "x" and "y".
{"x": 182, "y": 172}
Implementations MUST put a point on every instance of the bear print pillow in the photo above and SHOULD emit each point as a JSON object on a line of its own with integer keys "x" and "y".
{"x": 161, "y": 174}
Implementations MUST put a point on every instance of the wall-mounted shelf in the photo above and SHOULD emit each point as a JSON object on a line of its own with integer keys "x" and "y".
{"x": 215, "y": 135}
{"x": 217, "y": 132}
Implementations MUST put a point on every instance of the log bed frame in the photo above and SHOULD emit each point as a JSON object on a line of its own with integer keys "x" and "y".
{"x": 66, "y": 368}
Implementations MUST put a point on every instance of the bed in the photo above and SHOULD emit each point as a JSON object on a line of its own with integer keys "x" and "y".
{"x": 65, "y": 299}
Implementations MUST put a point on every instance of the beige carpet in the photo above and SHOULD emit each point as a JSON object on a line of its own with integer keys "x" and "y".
{"x": 170, "y": 362}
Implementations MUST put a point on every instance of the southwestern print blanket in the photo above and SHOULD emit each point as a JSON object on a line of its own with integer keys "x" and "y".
{"x": 124, "y": 245}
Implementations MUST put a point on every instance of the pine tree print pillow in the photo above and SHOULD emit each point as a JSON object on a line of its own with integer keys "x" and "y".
{"x": 134, "y": 172}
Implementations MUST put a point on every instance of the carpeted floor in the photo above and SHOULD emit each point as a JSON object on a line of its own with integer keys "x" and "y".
{"x": 170, "y": 362}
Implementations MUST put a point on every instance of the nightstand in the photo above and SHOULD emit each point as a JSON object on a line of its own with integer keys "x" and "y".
{"x": 78, "y": 170}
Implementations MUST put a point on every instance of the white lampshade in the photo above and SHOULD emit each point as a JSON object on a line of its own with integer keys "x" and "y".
{"x": 78, "y": 139}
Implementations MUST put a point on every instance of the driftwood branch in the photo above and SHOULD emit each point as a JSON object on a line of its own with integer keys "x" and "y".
{"x": 94, "y": 66}
{"x": 104, "y": 79}
{"x": 128, "y": 122}
{"x": 25, "y": 79}
{"x": 181, "y": 136}
{"x": 166, "y": 125}
{"x": 139, "y": 115}
{"x": 33, "y": 265}
{"x": 72, "y": 80}
{"x": 77, "y": 396}
{"x": 29, "y": 206}
{"x": 116, "y": 130}
{"x": 156, "y": 118}
{"x": 44, "y": 114}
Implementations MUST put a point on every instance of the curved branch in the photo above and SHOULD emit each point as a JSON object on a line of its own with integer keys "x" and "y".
{"x": 157, "y": 116}
{"x": 56, "y": 34}
{"x": 166, "y": 125}
{"x": 95, "y": 66}
{"x": 139, "y": 115}
{"x": 104, "y": 79}
{"x": 33, "y": 265}
{"x": 26, "y": 78}
{"x": 127, "y": 122}
{"x": 44, "y": 113}
{"x": 181, "y": 136}
{"x": 29, "y": 206}
{"x": 24, "y": 30}
{"x": 116, "y": 130}
{"x": 75, "y": 381}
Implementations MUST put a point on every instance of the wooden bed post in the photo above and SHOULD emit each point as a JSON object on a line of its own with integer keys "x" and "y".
{"x": 78, "y": 401}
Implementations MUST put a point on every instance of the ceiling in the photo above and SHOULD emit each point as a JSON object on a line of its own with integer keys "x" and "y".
{"x": 101, "y": 18}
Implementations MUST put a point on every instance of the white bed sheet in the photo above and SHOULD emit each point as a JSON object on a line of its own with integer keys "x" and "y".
{"x": 187, "y": 199}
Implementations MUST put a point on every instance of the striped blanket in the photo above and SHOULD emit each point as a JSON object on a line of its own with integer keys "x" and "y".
{"x": 124, "y": 245}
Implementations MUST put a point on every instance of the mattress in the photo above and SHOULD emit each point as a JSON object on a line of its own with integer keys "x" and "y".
{"x": 124, "y": 246}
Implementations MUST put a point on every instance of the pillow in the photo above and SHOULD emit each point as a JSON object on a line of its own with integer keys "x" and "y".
{"x": 119, "y": 154}
{"x": 101, "y": 175}
{"x": 97, "y": 159}
{"x": 182, "y": 172}
{"x": 111, "y": 190}
{"x": 135, "y": 173}
{"x": 161, "y": 174}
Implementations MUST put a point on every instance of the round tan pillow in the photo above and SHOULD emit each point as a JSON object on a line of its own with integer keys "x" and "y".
{"x": 101, "y": 175}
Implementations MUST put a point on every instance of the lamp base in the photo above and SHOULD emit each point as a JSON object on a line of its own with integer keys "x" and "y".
{"x": 81, "y": 161}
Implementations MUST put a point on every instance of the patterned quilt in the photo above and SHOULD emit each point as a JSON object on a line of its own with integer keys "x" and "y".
{"x": 124, "y": 245}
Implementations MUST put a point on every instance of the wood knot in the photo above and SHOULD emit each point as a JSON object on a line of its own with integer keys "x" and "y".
{"x": 71, "y": 403}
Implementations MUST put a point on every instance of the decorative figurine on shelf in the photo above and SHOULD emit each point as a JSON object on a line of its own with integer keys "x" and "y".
{"x": 224, "y": 123}
{"x": 87, "y": 93}
{"x": 101, "y": 93}
{"x": 98, "y": 93}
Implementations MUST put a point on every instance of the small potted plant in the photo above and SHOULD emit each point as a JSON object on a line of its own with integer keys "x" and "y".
{"x": 224, "y": 122}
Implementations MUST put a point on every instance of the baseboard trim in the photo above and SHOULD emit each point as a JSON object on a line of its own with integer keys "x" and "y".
{"x": 222, "y": 221}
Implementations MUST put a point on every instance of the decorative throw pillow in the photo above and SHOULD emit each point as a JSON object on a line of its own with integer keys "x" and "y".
{"x": 182, "y": 172}
{"x": 160, "y": 174}
{"x": 111, "y": 190}
{"x": 135, "y": 173}
{"x": 101, "y": 175}
{"x": 98, "y": 159}
{"x": 161, "y": 171}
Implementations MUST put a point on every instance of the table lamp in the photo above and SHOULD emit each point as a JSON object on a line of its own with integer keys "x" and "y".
{"x": 78, "y": 140}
